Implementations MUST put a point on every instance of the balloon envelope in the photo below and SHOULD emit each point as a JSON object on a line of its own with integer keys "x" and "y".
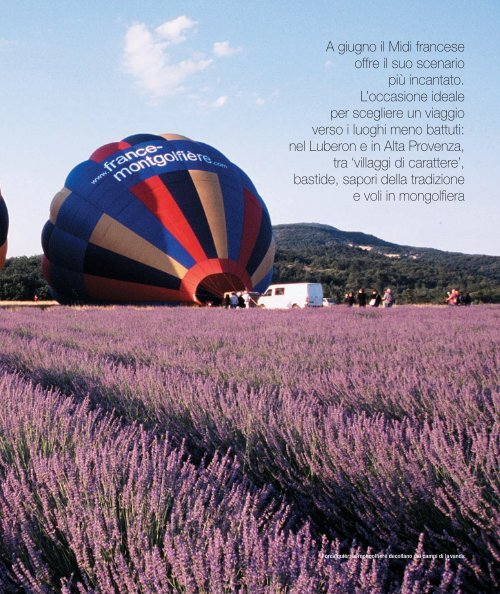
{"x": 4, "y": 227}
{"x": 157, "y": 219}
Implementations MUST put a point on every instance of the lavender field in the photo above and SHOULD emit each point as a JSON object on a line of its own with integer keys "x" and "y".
{"x": 162, "y": 450}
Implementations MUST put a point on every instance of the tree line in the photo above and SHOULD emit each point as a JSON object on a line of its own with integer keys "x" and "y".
{"x": 340, "y": 268}
{"x": 426, "y": 279}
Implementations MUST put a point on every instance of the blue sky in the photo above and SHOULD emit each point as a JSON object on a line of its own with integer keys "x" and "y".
{"x": 245, "y": 77}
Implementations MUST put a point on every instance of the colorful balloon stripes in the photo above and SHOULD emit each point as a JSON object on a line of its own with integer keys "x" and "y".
{"x": 157, "y": 219}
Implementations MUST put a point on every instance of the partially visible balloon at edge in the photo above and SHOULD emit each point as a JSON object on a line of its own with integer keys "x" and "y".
{"x": 4, "y": 228}
{"x": 157, "y": 218}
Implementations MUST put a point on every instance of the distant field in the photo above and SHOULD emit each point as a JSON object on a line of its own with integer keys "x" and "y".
{"x": 208, "y": 450}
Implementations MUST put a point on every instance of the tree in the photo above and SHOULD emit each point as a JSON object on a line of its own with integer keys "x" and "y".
{"x": 21, "y": 278}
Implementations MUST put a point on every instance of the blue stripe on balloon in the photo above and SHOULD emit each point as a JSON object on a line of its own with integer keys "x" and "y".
{"x": 262, "y": 243}
{"x": 247, "y": 182}
{"x": 66, "y": 250}
{"x": 136, "y": 217}
{"x": 77, "y": 217}
{"x": 136, "y": 139}
{"x": 205, "y": 149}
{"x": 234, "y": 206}
{"x": 183, "y": 191}
{"x": 47, "y": 230}
{"x": 4, "y": 221}
{"x": 67, "y": 283}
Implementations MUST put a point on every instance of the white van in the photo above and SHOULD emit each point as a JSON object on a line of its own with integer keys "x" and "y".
{"x": 290, "y": 295}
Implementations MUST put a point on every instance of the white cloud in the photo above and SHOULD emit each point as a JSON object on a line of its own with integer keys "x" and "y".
{"x": 219, "y": 102}
{"x": 146, "y": 58}
{"x": 223, "y": 48}
{"x": 259, "y": 101}
{"x": 172, "y": 31}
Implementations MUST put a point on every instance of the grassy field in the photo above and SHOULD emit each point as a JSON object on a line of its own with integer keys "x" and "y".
{"x": 36, "y": 304}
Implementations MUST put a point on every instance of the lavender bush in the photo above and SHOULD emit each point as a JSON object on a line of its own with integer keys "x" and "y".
{"x": 317, "y": 429}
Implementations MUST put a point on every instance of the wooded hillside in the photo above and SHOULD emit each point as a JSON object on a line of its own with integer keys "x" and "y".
{"x": 341, "y": 260}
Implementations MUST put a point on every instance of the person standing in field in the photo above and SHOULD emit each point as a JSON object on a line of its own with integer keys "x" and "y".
{"x": 246, "y": 298}
{"x": 349, "y": 299}
{"x": 453, "y": 297}
{"x": 233, "y": 300}
{"x": 361, "y": 298}
{"x": 375, "y": 298}
{"x": 388, "y": 298}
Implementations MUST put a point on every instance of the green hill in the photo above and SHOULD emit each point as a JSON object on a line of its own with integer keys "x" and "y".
{"x": 341, "y": 260}
{"x": 344, "y": 261}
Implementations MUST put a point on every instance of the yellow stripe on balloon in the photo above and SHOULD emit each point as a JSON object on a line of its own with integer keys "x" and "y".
{"x": 57, "y": 202}
{"x": 174, "y": 137}
{"x": 209, "y": 191}
{"x": 115, "y": 237}
{"x": 265, "y": 265}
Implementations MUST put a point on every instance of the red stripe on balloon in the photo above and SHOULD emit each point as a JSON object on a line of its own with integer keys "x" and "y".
{"x": 235, "y": 268}
{"x": 200, "y": 271}
{"x": 251, "y": 226}
{"x": 3, "y": 253}
{"x": 108, "y": 149}
{"x": 158, "y": 200}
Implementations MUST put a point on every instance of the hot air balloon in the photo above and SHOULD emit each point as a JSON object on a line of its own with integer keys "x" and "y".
{"x": 157, "y": 219}
{"x": 4, "y": 227}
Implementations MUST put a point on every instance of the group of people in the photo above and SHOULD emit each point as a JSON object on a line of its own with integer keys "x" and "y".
{"x": 362, "y": 299}
{"x": 456, "y": 297}
{"x": 235, "y": 299}
{"x": 375, "y": 299}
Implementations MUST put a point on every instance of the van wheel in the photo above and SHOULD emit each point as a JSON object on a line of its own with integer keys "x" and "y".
{"x": 295, "y": 306}
{"x": 261, "y": 306}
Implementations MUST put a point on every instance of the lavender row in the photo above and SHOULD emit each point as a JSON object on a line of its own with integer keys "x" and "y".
{"x": 374, "y": 425}
{"x": 341, "y": 357}
{"x": 90, "y": 505}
